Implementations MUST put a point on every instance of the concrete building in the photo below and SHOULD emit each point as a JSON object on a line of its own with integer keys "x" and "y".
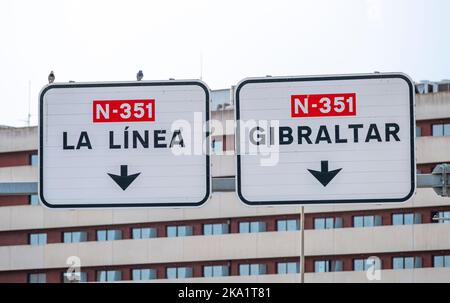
{"x": 226, "y": 241}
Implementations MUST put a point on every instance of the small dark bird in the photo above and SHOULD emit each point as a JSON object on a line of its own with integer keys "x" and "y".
{"x": 140, "y": 75}
{"x": 51, "y": 77}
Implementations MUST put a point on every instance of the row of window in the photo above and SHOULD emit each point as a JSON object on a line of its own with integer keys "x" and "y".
{"x": 408, "y": 262}
{"x": 252, "y": 269}
{"x": 244, "y": 227}
{"x": 140, "y": 274}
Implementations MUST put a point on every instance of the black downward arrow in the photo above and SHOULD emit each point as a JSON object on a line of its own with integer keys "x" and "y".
{"x": 124, "y": 180}
{"x": 324, "y": 176}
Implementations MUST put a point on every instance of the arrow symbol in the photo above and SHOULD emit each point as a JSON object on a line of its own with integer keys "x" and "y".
{"x": 124, "y": 180}
{"x": 324, "y": 176}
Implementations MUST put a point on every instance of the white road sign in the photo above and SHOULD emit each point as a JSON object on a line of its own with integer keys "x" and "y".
{"x": 128, "y": 144}
{"x": 328, "y": 139}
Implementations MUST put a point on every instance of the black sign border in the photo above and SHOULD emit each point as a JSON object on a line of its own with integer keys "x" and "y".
{"x": 122, "y": 84}
{"x": 327, "y": 78}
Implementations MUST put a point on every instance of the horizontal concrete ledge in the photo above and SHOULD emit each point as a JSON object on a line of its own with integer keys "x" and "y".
{"x": 385, "y": 239}
{"x": 418, "y": 275}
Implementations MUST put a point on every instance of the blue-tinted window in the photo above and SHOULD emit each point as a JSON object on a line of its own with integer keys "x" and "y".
{"x": 34, "y": 200}
{"x": 359, "y": 264}
{"x": 252, "y": 269}
{"x": 365, "y": 264}
{"x": 406, "y": 262}
{"x": 217, "y": 146}
{"x": 444, "y": 217}
{"x": 109, "y": 235}
{"x": 321, "y": 266}
{"x": 288, "y": 225}
{"x": 406, "y": 219}
{"x": 215, "y": 229}
{"x": 319, "y": 223}
{"x": 109, "y": 275}
{"x": 75, "y": 237}
{"x": 288, "y": 267}
{"x": 328, "y": 266}
{"x": 330, "y": 222}
{"x": 34, "y": 160}
{"x": 75, "y": 277}
{"x": 440, "y": 130}
{"x": 447, "y": 129}
{"x": 178, "y": 272}
{"x": 38, "y": 239}
{"x": 418, "y": 131}
{"x": 438, "y": 261}
{"x": 143, "y": 274}
{"x": 179, "y": 231}
{"x": 215, "y": 271}
{"x": 144, "y": 233}
{"x": 244, "y": 227}
{"x": 256, "y": 227}
{"x": 37, "y": 278}
{"x": 358, "y": 221}
{"x": 253, "y": 227}
{"x": 367, "y": 221}
{"x": 171, "y": 231}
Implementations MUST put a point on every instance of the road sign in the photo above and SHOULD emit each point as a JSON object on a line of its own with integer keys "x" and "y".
{"x": 328, "y": 139}
{"x": 127, "y": 144}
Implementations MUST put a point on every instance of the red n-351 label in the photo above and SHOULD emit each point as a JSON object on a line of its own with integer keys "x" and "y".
{"x": 123, "y": 110}
{"x": 323, "y": 105}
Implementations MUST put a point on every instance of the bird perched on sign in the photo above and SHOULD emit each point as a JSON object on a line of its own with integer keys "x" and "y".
{"x": 140, "y": 75}
{"x": 51, "y": 77}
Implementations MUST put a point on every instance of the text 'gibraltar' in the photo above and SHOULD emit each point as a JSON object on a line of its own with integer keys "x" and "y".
{"x": 329, "y": 139}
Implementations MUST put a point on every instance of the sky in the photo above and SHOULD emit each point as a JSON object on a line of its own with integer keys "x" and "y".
{"x": 220, "y": 42}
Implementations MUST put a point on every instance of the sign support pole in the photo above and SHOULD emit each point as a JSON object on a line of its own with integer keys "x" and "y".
{"x": 302, "y": 248}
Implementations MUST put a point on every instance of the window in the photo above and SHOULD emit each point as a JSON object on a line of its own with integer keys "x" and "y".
{"x": 418, "y": 131}
{"x": 215, "y": 229}
{"x": 215, "y": 271}
{"x": 75, "y": 237}
{"x": 367, "y": 221}
{"x": 74, "y": 277}
{"x": 217, "y": 146}
{"x": 33, "y": 199}
{"x": 37, "y": 278}
{"x": 288, "y": 225}
{"x": 252, "y": 269}
{"x": 109, "y": 235}
{"x": 38, "y": 239}
{"x": 406, "y": 219}
{"x": 406, "y": 262}
{"x": 440, "y": 130}
{"x": 144, "y": 233}
{"x": 109, "y": 275}
{"x": 328, "y": 266}
{"x": 143, "y": 274}
{"x": 441, "y": 261}
{"x": 179, "y": 231}
{"x": 328, "y": 223}
{"x": 365, "y": 264}
{"x": 34, "y": 160}
{"x": 288, "y": 268}
{"x": 179, "y": 272}
{"x": 252, "y": 227}
{"x": 442, "y": 215}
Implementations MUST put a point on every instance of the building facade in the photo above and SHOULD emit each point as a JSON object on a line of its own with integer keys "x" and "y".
{"x": 225, "y": 240}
